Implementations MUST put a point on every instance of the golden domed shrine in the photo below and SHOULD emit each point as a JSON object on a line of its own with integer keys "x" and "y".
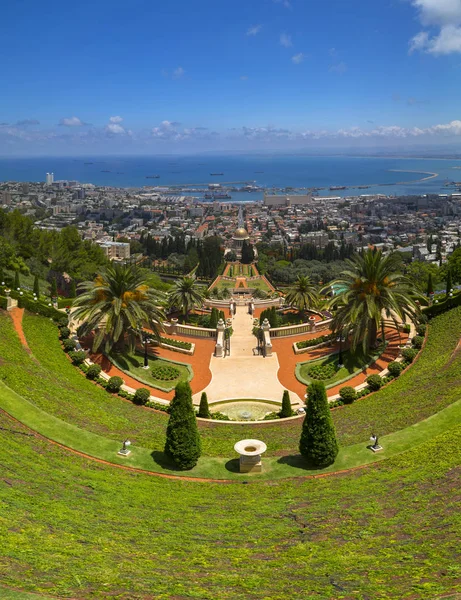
{"x": 238, "y": 237}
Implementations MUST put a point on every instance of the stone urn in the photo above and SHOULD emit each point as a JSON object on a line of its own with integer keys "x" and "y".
{"x": 250, "y": 455}
{"x": 174, "y": 326}
{"x": 312, "y": 323}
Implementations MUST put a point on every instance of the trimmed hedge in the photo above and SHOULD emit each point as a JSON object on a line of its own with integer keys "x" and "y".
{"x": 93, "y": 371}
{"x": 165, "y": 373}
{"x": 141, "y": 396}
{"x": 315, "y": 341}
{"x": 418, "y": 341}
{"x": 374, "y": 382}
{"x": 68, "y": 345}
{"x": 441, "y": 307}
{"x": 176, "y": 343}
{"x": 347, "y": 394}
{"x": 114, "y": 384}
{"x": 395, "y": 368}
{"x": 39, "y": 308}
{"x": 77, "y": 357}
{"x": 409, "y": 354}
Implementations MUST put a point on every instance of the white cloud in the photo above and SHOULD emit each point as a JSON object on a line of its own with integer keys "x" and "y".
{"x": 339, "y": 68}
{"x": 445, "y": 16}
{"x": 438, "y": 12}
{"x": 285, "y": 40}
{"x": 115, "y": 129}
{"x": 71, "y": 122}
{"x": 115, "y": 119}
{"x": 178, "y": 73}
{"x": 244, "y": 77}
{"x": 298, "y": 58}
{"x": 254, "y": 30}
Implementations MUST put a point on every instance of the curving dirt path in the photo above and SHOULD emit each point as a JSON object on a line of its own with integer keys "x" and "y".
{"x": 16, "y": 316}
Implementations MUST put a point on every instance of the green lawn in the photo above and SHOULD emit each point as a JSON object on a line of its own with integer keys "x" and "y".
{"x": 132, "y": 364}
{"x": 73, "y": 528}
{"x": 353, "y": 362}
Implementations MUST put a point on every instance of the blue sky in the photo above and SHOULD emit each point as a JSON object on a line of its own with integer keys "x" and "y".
{"x": 183, "y": 75}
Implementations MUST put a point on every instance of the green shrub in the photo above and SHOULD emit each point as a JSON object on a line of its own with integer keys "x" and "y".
{"x": 421, "y": 329}
{"x": 77, "y": 357}
{"x": 68, "y": 345}
{"x": 176, "y": 343}
{"x": 126, "y": 395}
{"x": 286, "y": 406}
{"x": 141, "y": 396}
{"x": 409, "y": 354}
{"x": 374, "y": 382}
{"x": 165, "y": 373}
{"x": 64, "y": 333}
{"x": 114, "y": 384}
{"x": 315, "y": 341}
{"x": 183, "y": 444}
{"x": 418, "y": 341}
{"x": 395, "y": 368}
{"x": 93, "y": 371}
{"x": 321, "y": 371}
{"x": 219, "y": 416}
{"x": 347, "y": 394}
{"x": 204, "y": 411}
{"x": 406, "y": 328}
{"x": 318, "y": 438}
{"x": 272, "y": 415}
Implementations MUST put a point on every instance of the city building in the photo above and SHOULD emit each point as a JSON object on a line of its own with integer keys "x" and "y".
{"x": 116, "y": 250}
{"x": 49, "y": 178}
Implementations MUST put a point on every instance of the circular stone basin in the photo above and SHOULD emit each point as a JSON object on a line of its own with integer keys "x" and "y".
{"x": 249, "y": 410}
{"x": 250, "y": 447}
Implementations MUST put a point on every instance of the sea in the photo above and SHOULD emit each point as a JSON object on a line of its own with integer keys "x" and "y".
{"x": 389, "y": 176}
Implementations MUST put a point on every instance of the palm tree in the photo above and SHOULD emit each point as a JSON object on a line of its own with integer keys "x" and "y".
{"x": 302, "y": 294}
{"x": 370, "y": 289}
{"x": 186, "y": 295}
{"x": 118, "y": 304}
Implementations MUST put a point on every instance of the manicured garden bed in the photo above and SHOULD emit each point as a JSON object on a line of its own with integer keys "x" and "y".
{"x": 161, "y": 374}
{"x": 326, "y": 369}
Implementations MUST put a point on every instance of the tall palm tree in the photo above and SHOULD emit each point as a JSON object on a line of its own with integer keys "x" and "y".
{"x": 302, "y": 294}
{"x": 118, "y": 304}
{"x": 186, "y": 295}
{"x": 370, "y": 289}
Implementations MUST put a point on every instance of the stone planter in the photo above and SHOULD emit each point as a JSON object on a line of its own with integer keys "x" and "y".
{"x": 250, "y": 455}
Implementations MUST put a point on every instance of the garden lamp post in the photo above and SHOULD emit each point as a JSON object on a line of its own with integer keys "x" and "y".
{"x": 340, "y": 356}
{"x": 145, "y": 340}
{"x": 124, "y": 449}
{"x": 375, "y": 447}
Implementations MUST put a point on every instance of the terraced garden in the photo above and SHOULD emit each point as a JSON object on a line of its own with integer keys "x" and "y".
{"x": 387, "y": 531}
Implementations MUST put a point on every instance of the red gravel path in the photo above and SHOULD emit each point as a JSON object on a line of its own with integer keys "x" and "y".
{"x": 288, "y": 361}
{"x": 200, "y": 363}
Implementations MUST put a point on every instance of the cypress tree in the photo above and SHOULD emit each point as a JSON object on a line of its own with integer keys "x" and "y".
{"x": 286, "y": 405}
{"x": 213, "y": 318}
{"x": 449, "y": 283}
{"x": 204, "y": 411}
{"x": 73, "y": 289}
{"x": 430, "y": 286}
{"x": 318, "y": 438}
{"x": 36, "y": 286}
{"x": 16, "y": 280}
{"x": 182, "y": 437}
{"x": 53, "y": 288}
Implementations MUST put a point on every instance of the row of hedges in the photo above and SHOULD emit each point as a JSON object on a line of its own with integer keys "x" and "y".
{"x": 176, "y": 343}
{"x": 316, "y": 341}
{"x": 374, "y": 382}
{"x": 34, "y": 306}
{"x": 441, "y": 307}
